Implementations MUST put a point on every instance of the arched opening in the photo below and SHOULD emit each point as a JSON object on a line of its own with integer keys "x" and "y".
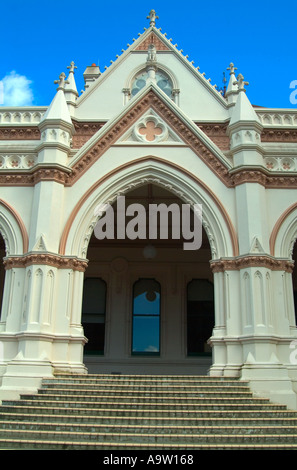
{"x": 2, "y": 270}
{"x": 148, "y": 299}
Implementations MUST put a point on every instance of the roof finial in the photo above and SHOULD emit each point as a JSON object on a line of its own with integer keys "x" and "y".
{"x": 240, "y": 82}
{"x": 71, "y": 67}
{"x": 62, "y": 82}
{"x": 232, "y": 68}
{"x": 153, "y": 17}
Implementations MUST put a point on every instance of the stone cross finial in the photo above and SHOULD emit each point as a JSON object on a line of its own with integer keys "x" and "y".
{"x": 240, "y": 82}
{"x": 153, "y": 17}
{"x": 232, "y": 68}
{"x": 71, "y": 67}
{"x": 62, "y": 82}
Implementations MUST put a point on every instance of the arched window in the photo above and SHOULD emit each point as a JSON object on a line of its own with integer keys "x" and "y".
{"x": 162, "y": 79}
{"x": 146, "y": 317}
{"x": 200, "y": 316}
{"x": 93, "y": 315}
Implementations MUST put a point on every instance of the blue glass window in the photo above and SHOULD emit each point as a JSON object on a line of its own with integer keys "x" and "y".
{"x": 146, "y": 317}
{"x": 162, "y": 79}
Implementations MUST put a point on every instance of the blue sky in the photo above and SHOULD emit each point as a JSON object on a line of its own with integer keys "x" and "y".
{"x": 40, "y": 39}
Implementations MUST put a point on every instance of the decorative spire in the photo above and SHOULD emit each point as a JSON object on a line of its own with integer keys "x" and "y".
{"x": 232, "y": 90}
{"x": 71, "y": 67}
{"x": 70, "y": 89}
{"x": 153, "y": 17}
{"x": 240, "y": 82}
{"x": 243, "y": 113}
{"x": 62, "y": 82}
{"x": 232, "y": 69}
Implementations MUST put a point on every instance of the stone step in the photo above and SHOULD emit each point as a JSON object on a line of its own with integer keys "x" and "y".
{"x": 161, "y": 399}
{"x": 139, "y": 377}
{"x": 141, "y": 394}
{"x": 123, "y": 387}
{"x": 40, "y": 444}
{"x": 152, "y": 438}
{"x": 145, "y": 412}
{"x": 129, "y": 411}
{"x": 198, "y": 404}
{"x": 147, "y": 429}
{"x": 131, "y": 380}
{"x": 143, "y": 419}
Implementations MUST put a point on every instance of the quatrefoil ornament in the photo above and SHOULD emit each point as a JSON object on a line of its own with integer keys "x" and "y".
{"x": 150, "y": 129}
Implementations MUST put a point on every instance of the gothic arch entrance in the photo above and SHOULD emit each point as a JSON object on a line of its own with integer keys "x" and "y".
{"x": 218, "y": 232}
{"x": 148, "y": 305}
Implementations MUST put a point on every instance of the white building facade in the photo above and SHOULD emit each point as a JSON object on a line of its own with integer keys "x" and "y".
{"x": 151, "y": 129}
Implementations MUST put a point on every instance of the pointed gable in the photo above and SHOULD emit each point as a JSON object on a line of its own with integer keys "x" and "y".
{"x": 106, "y": 95}
{"x": 151, "y": 105}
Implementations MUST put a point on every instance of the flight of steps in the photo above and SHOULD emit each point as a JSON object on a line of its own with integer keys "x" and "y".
{"x": 135, "y": 412}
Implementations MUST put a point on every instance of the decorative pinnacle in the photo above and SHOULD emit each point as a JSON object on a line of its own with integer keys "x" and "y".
{"x": 240, "y": 82}
{"x": 71, "y": 67}
{"x": 232, "y": 68}
{"x": 153, "y": 17}
{"x": 62, "y": 82}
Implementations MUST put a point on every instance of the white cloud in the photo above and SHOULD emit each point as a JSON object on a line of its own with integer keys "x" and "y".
{"x": 151, "y": 349}
{"x": 16, "y": 90}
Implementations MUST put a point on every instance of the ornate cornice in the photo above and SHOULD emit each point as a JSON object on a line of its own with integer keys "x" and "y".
{"x": 36, "y": 175}
{"x": 19, "y": 133}
{"x": 217, "y": 132}
{"x": 56, "y": 261}
{"x": 50, "y": 174}
{"x": 249, "y": 261}
{"x": 279, "y": 135}
{"x": 260, "y": 176}
{"x": 84, "y": 131}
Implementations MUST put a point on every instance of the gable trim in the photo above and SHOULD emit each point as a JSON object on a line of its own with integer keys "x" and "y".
{"x": 183, "y": 129}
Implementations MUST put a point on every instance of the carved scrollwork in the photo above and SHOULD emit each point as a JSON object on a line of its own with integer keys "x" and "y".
{"x": 61, "y": 262}
{"x": 249, "y": 261}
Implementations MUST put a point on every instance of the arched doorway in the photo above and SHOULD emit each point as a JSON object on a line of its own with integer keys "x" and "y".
{"x": 143, "y": 295}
